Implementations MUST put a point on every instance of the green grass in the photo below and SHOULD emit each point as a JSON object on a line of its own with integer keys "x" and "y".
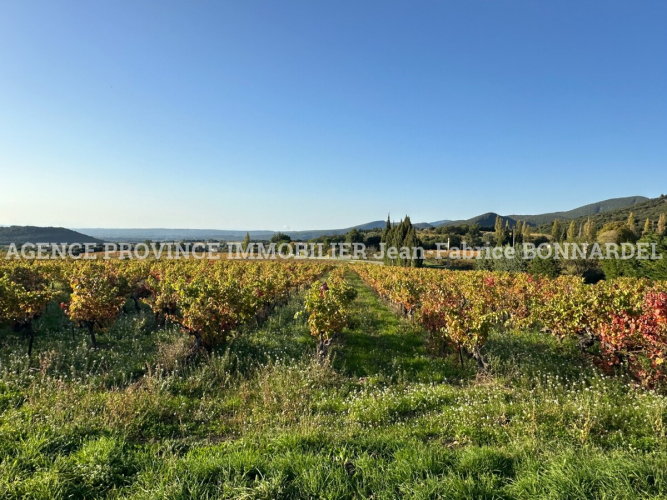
{"x": 261, "y": 419}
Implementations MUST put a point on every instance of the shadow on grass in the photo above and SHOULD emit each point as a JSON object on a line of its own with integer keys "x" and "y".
{"x": 279, "y": 336}
{"x": 380, "y": 343}
{"x": 530, "y": 354}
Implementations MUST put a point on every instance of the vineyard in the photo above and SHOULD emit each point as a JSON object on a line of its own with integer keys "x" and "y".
{"x": 627, "y": 318}
{"x": 206, "y": 299}
{"x": 228, "y": 379}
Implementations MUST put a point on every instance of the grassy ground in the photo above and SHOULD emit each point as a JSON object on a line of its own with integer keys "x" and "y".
{"x": 260, "y": 419}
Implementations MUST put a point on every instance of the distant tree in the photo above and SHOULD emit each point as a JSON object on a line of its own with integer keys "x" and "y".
{"x": 662, "y": 223}
{"x": 372, "y": 240}
{"x": 540, "y": 240}
{"x": 454, "y": 240}
{"x": 354, "y": 236}
{"x": 616, "y": 232}
{"x": 403, "y": 238}
{"x": 525, "y": 232}
{"x": 517, "y": 233}
{"x": 631, "y": 223}
{"x": 572, "y": 231}
{"x": 473, "y": 237}
{"x": 590, "y": 231}
{"x": 280, "y": 238}
{"x": 544, "y": 267}
{"x": 647, "y": 227}
{"x": 386, "y": 234}
{"x": 499, "y": 236}
{"x": 246, "y": 242}
{"x": 508, "y": 264}
{"x": 556, "y": 231}
{"x": 607, "y": 236}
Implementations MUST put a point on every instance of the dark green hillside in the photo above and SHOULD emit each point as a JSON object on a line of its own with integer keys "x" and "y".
{"x": 585, "y": 211}
{"x": 488, "y": 219}
{"x": 650, "y": 209}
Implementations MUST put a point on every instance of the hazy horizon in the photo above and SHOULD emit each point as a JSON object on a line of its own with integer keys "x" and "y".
{"x": 259, "y": 230}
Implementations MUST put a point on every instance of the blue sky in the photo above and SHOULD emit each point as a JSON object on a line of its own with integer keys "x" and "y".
{"x": 312, "y": 114}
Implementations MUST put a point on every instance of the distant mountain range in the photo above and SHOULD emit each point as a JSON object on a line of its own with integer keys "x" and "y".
{"x": 439, "y": 222}
{"x": 488, "y": 219}
{"x": 649, "y": 209}
{"x": 601, "y": 212}
{"x": 166, "y": 234}
{"x": 34, "y": 234}
{"x": 162, "y": 234}
{"x": 585, "y": 211}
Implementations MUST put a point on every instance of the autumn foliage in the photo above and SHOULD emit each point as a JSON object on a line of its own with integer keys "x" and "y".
{"x": 627, "y": 317}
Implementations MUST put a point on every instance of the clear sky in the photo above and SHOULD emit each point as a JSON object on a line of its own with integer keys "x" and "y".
{"x": 265, "y": 114}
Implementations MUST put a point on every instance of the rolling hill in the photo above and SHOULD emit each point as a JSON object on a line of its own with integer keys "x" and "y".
{"x": 439, "y": 222}
{"x": 649, "y": 209}
{"x": 164, "y": 234}
{"x": 488, "y": 219}
{"x": 34, "y": 234}
{"x": 168, "y": 234}
{"x": 585, "y": 211}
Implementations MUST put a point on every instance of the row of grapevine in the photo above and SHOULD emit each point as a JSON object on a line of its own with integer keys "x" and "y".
{"x": 327, "y": 305}
{"x": 626, "y": 316}
{"x": 25, "y": 292}
{"x": 206, "y": 298}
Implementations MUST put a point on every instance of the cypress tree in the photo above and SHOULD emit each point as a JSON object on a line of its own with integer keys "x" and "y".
{"x": 246, "y": 242}
{"x": 402, "y": 236}
{"x": 590, "y": 231}
{"x": 412, "y": 242}
{"x": 500, "y": 231}
{"x": 662, "y": 223}
{"x": 517, "y": 232}
{"x": 399, "y": 238}
{"x": 526, "y": 232}
{"x": 647, "y": 227}
{"x": 572, "y": 231}
{"x": 556, "y": 231}
{"x": 631, "y": 223}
